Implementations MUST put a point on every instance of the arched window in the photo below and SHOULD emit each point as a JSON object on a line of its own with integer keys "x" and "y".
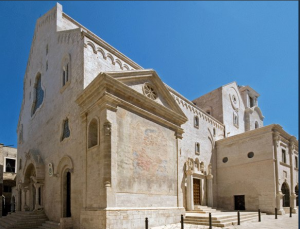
{"x": 196, "y": 122}
{"x": 66, "y": 69}
{"x": 197, "y": 148}
{"x": 93, "y": 133}
{"x": 38, "y": 94}
{"x": 286, "y": 198}
{"x": 256, "y": 125}
{"x": 65, "y": 130}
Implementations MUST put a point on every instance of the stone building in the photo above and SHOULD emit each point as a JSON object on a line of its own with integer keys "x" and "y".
{"x": 104, "y": 143}
{"x": 8, "y": 169}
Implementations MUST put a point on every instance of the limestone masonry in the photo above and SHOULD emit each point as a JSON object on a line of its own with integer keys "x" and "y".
{"x": 104, "y": 143}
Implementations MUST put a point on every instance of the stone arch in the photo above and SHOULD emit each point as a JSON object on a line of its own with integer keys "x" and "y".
{"x": 91, "y": 44}
{"x": 119, "y": 63}
{"x": 126, "y": 67}
{"x": 102, "y": 53}
{"x": 33, "y": 158}
{"x": 258, "y": 110}
{"x": 64, "y": 171}
{"x": 286, "y": 192}
{"x": 64, "y": 163}
{"x": 111, "y": 58}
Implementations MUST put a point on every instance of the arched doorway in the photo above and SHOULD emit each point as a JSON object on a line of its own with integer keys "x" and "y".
{"x": 296, "y": 192}
{"x": 67, "y": 194}
{"x": 286, "y": 191}
{"x": 30, "y": 193}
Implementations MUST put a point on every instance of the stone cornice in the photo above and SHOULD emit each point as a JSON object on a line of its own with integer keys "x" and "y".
{"x": 154, "y": 78}
{"x": 107, "y": 89}
{"x": 275, "y": 129}
{"x": 195, "y": 109}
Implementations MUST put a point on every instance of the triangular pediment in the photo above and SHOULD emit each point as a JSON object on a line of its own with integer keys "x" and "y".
{"x": 149, "y": 84}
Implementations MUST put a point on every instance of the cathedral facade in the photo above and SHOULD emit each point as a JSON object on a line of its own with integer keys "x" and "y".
{"x": 104, "y": 143}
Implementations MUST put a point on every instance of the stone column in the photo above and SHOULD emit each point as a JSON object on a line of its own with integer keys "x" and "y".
{"x": 279, "y": 203}
{"x": 209, "y": 189}
{"x": 26, "y": 207}
{"x": 279, "y": 195}
{"x": 189, "y": 193}
{"x": 293, "y": 196}
{"x": 37, "y": 196}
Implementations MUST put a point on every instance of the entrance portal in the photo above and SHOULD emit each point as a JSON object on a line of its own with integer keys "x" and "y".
{"x": 197, "y": 191}
{"x": 286, "y": 191}
{"x": 239, "y": 202}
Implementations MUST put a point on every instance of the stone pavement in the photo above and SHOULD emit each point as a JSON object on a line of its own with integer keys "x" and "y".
{"x": 267, "y": 222}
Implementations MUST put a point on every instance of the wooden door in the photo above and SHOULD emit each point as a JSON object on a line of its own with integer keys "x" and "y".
{"x": 197, "y": 193}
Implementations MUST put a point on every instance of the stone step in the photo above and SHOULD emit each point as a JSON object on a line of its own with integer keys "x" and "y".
{"x": 49, "y": 225}
{"x": 23, "y": 220}
{"x": 221, "y": 220}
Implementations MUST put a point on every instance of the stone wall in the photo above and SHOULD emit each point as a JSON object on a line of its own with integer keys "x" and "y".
{"x": 146, "y": 162}
{"x": 240, "y": 175}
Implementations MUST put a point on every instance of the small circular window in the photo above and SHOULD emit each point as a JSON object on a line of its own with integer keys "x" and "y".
{"x": 225, "y": 159}
{"x": 149, "y": 91}
{"x": 250, "y": 155}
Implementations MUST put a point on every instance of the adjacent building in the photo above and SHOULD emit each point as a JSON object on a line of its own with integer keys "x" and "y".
{"x": 8, "y": 170}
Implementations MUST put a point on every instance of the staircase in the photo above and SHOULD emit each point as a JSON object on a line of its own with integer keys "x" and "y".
{"x": 23, "y": 220}
{"x": 203, "y": 209}
{"x": 49, "y": 225}
{"x": 200, "y": 216}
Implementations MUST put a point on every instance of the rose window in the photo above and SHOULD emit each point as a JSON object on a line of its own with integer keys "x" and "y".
{"x": 149, "y": 91}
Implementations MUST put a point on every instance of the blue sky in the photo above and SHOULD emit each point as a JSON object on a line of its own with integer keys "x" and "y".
{"x": 195, "y": 47}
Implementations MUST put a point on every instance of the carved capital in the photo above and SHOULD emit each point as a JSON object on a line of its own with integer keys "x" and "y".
{"x": 276, "y": 137}
{"x": 107, "y": 128}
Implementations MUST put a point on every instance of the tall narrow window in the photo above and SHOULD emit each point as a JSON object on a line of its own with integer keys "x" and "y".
{"x": 47, "y": 49}
{"x": 197, "y": 148}
{"x": 251, "y": 101}
{"x": 235, "y": 119}
{"x": 66, "y": 130}
{"x": 65, "y": 74}
{"x": 296, "y": 162}
{"x": 196, "y": 121}
{"x": 66, "y": 69}
{"x": 283, "y": 156}
{"x": 93, "y": 133}
{"x": 47, "y": 65}
{"x": 256, "y": 125}
{"x": 214, "y": 132}
{"x": 38, "y": 94}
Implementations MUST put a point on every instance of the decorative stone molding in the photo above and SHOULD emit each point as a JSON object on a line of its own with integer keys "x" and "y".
{"x": 197, "y": 111}
{"x": 107, "y": 128}
{"x": 276, "y": 137}
{"x": 106, "y": 55}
